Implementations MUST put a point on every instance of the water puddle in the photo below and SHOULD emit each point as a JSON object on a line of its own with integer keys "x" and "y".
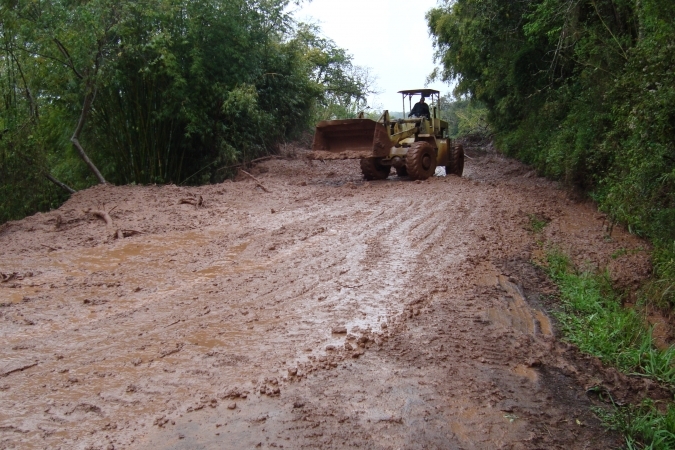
{"x": 107, "y": 259}
{"x": 518, "y": 313}
{"x": 526, "y": 372}
{"x": 138, "y": 261}
{"x": 17, "y": 294}
{"x": 460, "y": 427}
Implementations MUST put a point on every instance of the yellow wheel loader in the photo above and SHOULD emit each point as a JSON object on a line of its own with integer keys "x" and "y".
{"x": 413, "y": 146}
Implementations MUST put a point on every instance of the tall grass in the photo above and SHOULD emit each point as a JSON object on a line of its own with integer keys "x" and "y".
{"x": 593, "y": 318}
{"x": 644, "y": 426}
{"x": 661, "y": 291}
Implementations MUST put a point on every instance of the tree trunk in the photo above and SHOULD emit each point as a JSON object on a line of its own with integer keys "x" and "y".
{"x": 60, "y": 184}
{"x": 75, "y": 139}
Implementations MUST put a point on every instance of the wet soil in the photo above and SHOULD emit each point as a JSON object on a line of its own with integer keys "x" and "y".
{"x": 305, "y": 309}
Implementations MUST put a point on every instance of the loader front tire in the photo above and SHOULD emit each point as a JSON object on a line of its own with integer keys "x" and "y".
{"x": 456, "y": 161}
{"x": 420, "y": 161}
{"x": 373, "y": 170}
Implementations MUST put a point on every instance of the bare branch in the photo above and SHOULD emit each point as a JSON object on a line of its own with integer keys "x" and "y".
{"x": 623, "y": 52}
{"x": 59, "y": 183}
{"x": 75, "y": 139}
{"x": 257, "y": 181}
{"x": 29, "y": 96}
{"x": 69, "y": 63}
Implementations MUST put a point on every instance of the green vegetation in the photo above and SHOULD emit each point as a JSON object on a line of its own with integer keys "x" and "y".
{"x": 661, "y": 291}
{"x": 155, "y": 91}
{"x": 466, "y": 118}
{"x": 584, "y": 91}
{"x": 645, "y": 426}
{"x": 537, "y": 223}
{"x": 593, "y": 318}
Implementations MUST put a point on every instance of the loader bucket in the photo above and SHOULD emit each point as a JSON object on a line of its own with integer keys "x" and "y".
{"x": 349, "y": 139}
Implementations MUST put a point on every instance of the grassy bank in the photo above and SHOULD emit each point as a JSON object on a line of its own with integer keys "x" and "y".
{"x": 644, "y": 426}
{"x": 661, "y": 291}
{"x": 592, "y": 317}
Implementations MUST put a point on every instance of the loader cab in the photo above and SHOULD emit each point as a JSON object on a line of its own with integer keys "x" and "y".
{"x": 434, "y": 125}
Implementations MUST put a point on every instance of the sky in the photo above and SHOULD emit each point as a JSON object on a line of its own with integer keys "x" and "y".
{"x": 388, "y": 36}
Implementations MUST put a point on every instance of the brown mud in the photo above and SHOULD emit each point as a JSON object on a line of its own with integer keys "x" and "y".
{"x": 301, "y": 307}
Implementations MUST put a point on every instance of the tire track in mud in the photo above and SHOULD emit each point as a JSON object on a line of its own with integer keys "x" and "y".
{"x": 180, "y": 324}
{"x": 159, "y": 308}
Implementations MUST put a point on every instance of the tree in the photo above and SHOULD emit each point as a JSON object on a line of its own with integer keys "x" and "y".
{"x": 582, "y": 89}
{"x": 564, "y": 82}
{"x": 156, "y": 91}
{"x": 344, "y": 86}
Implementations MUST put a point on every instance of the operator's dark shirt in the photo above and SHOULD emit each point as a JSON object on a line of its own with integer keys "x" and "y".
{"x": 420, "y": 110}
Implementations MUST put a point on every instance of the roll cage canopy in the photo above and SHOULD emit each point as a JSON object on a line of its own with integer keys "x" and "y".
{"x": 433, "y": 94}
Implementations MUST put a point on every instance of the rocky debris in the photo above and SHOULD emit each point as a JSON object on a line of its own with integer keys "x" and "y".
{"x": 234, "y": 393}
{"x": 160, "y": 421}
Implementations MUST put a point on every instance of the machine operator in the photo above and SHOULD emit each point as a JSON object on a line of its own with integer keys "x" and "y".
{"x": 421, "y": 109}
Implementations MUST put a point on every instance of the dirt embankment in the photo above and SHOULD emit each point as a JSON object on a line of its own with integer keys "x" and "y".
{"x": 307, "y": 309}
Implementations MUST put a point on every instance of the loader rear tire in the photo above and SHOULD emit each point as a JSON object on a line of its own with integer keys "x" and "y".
{"x": 373, "y": 170}
{"x": 456, "y": 161}
{"x": 402, "y": 171}
{"x": 421, "y": 161}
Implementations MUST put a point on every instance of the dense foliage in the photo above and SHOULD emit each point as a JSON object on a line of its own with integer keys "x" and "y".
{"x": 466, "y": 118}
{"x": 584, "y": 90}
{"x": 155, "y": 91}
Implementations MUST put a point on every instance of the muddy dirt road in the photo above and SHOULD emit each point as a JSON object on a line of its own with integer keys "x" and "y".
{"x": 325, "y": 313}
